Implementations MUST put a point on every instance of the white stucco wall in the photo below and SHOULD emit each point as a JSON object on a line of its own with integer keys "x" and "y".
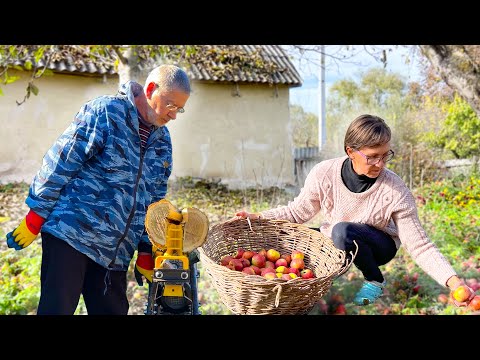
{"x": 243, "y": 140}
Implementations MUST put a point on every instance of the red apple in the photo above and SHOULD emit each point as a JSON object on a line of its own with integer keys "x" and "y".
{"x": 286, "y": 257}
{"x": 248, "y": 270}
{"x": 269, "y": 264}
{"x": 340, "y": 310}
{"x": 248, "y": 254}
{"x": 294, "y": 271}
{"x": 296, "y": 254}
{"x": 226, "y": 259}
{"x": 286, "y": 277}
{"x": 443, "y": 298}
{"x": 461, "y": 293}
{"x": 256, "y": 269}
{"x": 263, "y": 252}
{"x": 475, "y": 303}
{"x": 307, "y": 274}
{"x": 245, "y": 262}
{"x": 265, "y": 270}
{"x": 230, "y": 266}
{"x": 273, "y": 255}
{"x": 281, "y": 262}
{"x": 258, "y": 260}
{"x": 282, "y": 269}
{"x": 239, "y": 253}
{"x": 237, "y": 264}
{"x": 297, "y": 263}
{"x": 270, "y": 276}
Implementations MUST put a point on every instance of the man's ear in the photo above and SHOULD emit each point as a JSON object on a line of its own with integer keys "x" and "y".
{"x": 150, "y": 89}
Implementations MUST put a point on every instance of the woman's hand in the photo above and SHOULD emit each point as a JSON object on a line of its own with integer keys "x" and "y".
{"x": 245, "y": 214}
{"x": 460, "y": 292}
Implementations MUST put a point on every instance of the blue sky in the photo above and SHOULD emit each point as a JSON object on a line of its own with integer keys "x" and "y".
{"x": 308, "y": 94}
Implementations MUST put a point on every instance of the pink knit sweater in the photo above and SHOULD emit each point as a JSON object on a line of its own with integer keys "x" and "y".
{"x": 388, "y": 205}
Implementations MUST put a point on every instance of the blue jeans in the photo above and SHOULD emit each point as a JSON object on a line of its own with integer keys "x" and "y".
{"x": 375, "y": 247}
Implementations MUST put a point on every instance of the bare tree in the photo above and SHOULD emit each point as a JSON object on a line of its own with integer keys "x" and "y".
{"x": 459, "y": 67}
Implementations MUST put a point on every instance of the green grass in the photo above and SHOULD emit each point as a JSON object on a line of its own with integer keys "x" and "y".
{"x": 449, "y": 211}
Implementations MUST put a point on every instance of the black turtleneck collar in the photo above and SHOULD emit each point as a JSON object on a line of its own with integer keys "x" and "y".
{"x": 354, "y": 182}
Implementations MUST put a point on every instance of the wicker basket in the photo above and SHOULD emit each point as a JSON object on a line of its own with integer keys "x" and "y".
{"x": 255, "y": 295}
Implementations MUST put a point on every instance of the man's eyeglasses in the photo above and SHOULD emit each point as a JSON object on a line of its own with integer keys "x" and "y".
{"x": 172, "y": 107}
{"x": 373, "y": 160}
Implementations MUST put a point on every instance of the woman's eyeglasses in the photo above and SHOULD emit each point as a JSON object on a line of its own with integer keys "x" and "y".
{"x": 374, "y": 160}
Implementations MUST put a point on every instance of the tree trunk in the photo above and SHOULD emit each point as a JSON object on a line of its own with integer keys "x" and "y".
{"x": 128, "y": 68}
{"x": 458, "y": 66}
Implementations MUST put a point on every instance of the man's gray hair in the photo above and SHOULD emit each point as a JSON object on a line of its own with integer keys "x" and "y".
{"x": 168, "y": 78}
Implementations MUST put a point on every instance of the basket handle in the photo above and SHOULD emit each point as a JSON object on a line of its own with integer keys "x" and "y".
{"x": 277, "y": 288}
{"x": 347, "y": 264}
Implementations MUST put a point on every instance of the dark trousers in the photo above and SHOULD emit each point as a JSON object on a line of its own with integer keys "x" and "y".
{"x": 375, "y": 247}
{"x": 66, "y": 274}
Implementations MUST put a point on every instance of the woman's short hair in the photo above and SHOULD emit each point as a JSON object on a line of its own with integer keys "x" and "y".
{"x": 367, "y": 130}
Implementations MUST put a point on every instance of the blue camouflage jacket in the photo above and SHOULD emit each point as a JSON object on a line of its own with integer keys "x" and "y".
{"x": 95, "y": 184}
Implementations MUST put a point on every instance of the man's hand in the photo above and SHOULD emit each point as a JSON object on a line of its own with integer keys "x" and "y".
{"x": 26, "y": 232}
{"x": 144, "y": 267}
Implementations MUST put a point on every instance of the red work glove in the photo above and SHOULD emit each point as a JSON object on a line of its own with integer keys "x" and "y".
{"x": 26, "y": 232}
{"x": 144, "y": 267}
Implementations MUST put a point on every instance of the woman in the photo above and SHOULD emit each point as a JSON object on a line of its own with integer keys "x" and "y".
{"x": 363, "y": 201}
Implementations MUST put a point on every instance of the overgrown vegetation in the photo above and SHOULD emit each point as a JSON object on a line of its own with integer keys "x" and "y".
{"x": 448, "y": 209}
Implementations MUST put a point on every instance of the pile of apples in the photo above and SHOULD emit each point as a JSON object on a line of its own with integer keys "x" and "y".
{"x": 270, "y": 264}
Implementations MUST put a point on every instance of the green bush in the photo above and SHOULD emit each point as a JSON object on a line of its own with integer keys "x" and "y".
{"x": 20, "y": 281}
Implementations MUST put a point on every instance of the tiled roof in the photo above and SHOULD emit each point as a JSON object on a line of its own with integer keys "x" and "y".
{"x": 286, "y": 75}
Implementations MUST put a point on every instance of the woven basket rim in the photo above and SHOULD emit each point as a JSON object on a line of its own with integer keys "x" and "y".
{"x": 320, "y": 250}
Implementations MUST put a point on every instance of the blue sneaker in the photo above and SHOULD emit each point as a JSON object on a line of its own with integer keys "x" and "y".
{"x": 369, "y": 292}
